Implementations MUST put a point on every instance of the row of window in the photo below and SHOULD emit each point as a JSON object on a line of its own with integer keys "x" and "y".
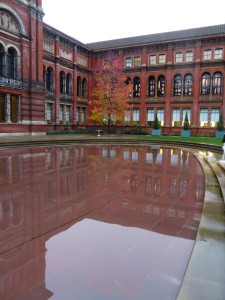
{"x": 207, "y": 117}
{"x": 181, "y": 85}
{"x": 65, "y": 113}
{"x": 187, "y": 56}
{"x": 156, "y": 86}
{"x": 66, "y": 84}
{"x": 10, "y": 109}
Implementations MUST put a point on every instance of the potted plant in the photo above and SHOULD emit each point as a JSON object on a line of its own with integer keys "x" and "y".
{"x": 220, "y": 127}
{"x": 186, "y": 132}
{"x": 156, "y": 126}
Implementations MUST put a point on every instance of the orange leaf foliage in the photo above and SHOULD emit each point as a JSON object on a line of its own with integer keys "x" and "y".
{"x": 111, "y": 95}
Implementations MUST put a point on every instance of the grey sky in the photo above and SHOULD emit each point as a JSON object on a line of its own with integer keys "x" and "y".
{"x": 97, "y": 20}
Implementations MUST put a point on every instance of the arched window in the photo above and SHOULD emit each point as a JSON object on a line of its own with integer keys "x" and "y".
{"x": 69, "y": 84}
{"x": 188, "y": 84}
{"x": 127, "y": 82}
{"x": 136, "y": 87}
{"x": 62, "y": 82}
{"x": 11, "y": 63}
{"x": 84, "y": 88}
{"x": 177, "y": 88}
{"x": 161, "y": 86}
{"x": 2, "y": 71}
{"x": 49, "y": 83}
{"x": 79, "y": 88}
{"x": 205, "y": 84}
{"x": 151, "y": 86}
{"x": 217, "y": 84}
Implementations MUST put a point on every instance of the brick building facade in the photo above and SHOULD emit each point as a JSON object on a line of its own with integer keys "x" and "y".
{"x": 46, "y": 76}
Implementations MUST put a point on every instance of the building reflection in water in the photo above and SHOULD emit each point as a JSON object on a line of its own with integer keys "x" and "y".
{"x": 61, "y": 204}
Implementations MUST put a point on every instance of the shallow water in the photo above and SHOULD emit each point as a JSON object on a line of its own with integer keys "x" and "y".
{"x": 97, "y": 222}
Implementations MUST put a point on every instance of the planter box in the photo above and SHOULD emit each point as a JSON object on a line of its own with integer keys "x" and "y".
{"x": 156, "y": 132}
{"x": 186, "y": 133}
{"x": 219, "y": 134}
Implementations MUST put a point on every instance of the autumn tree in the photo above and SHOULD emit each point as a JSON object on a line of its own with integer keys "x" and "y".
{"x": 109, "y": 101}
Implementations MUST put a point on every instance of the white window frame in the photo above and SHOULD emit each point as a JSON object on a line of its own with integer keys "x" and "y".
{"x": 49, "y": 111}
{"x": 204, "y": 114}
{"x": 67, "y": 113}
{"x": 128, "y": 62}
{"x": 160, "y": 115}
{"x": 175, "y": 116}
{"x": 137, "y": 61}
{"x": 189, "y": 56}
{"x": 152, "y": 59}
{"x": 218, "y": 53}
{"x": 207, "y": 54}
{"x": 150, "y": 114}
{"x": 136, "y": 115}
{"x": 215, "y": 114}
{"x": 179, "y": 57}
{"x": 162, "y": 58}
{"x": 61, "y": 112}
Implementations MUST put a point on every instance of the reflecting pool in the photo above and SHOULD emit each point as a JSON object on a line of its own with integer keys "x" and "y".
{"x": 97, "y": 222}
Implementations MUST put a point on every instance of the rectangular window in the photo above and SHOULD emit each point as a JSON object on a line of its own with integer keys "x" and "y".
{"x": 2, "y": 108}
{"x": 77, "y": 115}
{"x": 179, "y": 57}
{"x": 150, "y": 115}
{"x": 189, "y": 56}
{"x": 67, "y": 113}
{"x": 61, "y": 113}
{"x": 162, "y": 58}
{"x": 128, "y": 62}
{"x": 207, "y": 54}
{"x": 152, "y": 60}
{"x": 127, "y": 115}
{"x": 134, "y": 155}
{"x": 218, "y": 53}
{"x": 49, "y": 112}
{"x": 203, "y": 117}
{"x": 83, "y": 115}
{"x": 126, "y": 154}
{"x": 215, "y": 114}
{"x": 137, "y": 61}
{"x": 14, "y": 108}
{"x": 160, "y": 115}
{"x": 176, "y": 117}
{"x": 136, "y": 115}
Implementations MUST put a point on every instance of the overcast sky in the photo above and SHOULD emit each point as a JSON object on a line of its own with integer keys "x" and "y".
{"x": 98, "y": 20}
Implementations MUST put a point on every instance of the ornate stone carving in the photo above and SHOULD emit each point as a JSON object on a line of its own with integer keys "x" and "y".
{"x": 48, "y": 47}
{"x": 7, "y": 22}
{"x": 82, "y": 61}
{"x": 65, "y": 54}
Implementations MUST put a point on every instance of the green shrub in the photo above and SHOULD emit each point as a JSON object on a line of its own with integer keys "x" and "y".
{"x": 220, "y": 124}
{"x": 186, "y": 125}
{"x": 156, "y": 124}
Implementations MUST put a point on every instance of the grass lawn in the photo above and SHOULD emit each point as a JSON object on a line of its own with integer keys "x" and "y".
{"x": 203, "y": 140}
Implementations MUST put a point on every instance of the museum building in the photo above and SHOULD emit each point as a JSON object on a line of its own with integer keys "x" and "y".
{"x": 47, "y": 78}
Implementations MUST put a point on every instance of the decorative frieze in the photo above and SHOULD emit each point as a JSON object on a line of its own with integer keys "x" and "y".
{"x": 48, "y": 47}
{"x": 65, "y": 54}
{"x": 82, "y": 61}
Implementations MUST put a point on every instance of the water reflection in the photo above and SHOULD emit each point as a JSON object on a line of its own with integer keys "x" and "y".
{"x": 97, "y": 222}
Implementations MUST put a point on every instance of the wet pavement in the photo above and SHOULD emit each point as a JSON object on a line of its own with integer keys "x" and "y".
{"x": 52, "y": 228}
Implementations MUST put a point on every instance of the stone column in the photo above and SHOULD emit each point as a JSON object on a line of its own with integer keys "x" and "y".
{"x": 8, "y": 109}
